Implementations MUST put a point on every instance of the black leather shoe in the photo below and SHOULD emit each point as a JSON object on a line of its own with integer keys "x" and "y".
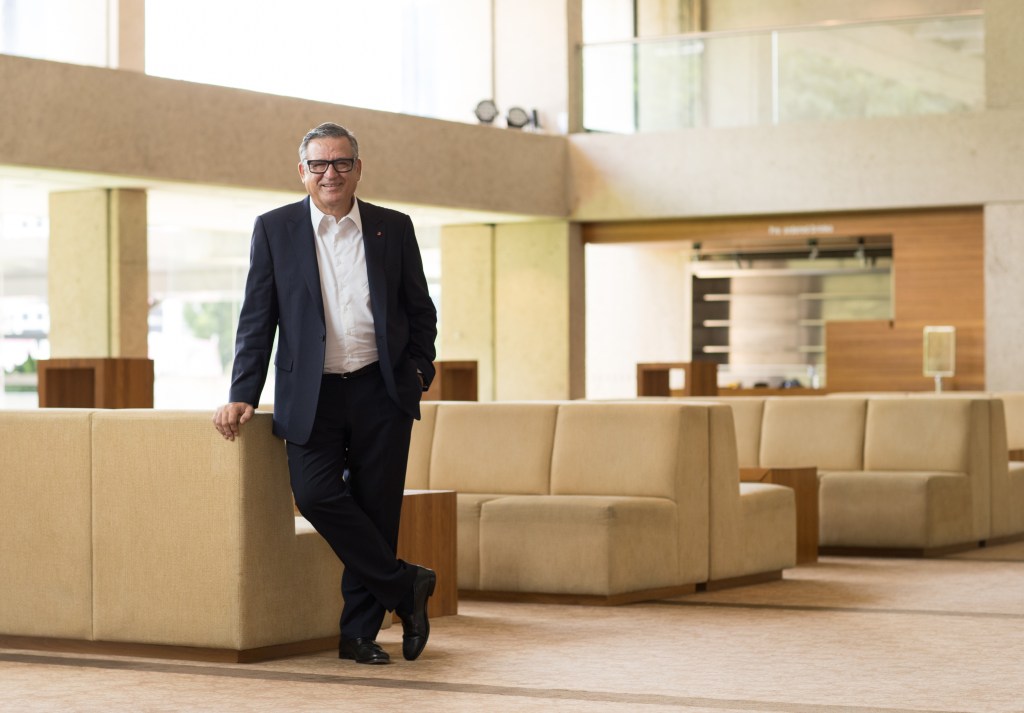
{"x": 362, "y": 651}
{"x": 415, "y": 625}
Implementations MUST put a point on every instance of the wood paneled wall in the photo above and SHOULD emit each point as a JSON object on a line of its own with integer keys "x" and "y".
{"x": 938, "y": 278}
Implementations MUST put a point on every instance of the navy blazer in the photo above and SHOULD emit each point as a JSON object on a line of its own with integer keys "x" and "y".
{"x": 282, "y": 294}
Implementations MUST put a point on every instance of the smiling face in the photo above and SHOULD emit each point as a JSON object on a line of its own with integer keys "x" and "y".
{"x": 332, "y": 192}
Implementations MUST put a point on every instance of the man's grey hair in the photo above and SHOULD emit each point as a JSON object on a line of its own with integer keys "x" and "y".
{"x": 328, "y": 131}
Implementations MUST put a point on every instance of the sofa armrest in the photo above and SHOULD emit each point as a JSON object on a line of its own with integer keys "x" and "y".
{"x": 195, "y": 540}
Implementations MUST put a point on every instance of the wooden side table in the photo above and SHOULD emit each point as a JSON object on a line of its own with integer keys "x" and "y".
{"x": 96, "y": 383}
{"x": 804, "y": 482}
{"x": 700, "y": 378}
{"x": 454, "y": 381}
{"x": 427, "y": 537}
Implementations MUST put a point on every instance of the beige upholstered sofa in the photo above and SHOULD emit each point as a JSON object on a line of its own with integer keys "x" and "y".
{"x": 145, "y": 531}
{"x": 1006, "y": 433}
{"x": 599, "y": 502}
{"x": 895, "y": 472}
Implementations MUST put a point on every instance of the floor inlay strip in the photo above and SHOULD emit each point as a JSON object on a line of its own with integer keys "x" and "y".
{"x": 849, "y": 610}
{"x": 254, "y": 672}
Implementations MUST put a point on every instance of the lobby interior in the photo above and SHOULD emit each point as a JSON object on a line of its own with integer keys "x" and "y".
{"x": 560, "y": 255}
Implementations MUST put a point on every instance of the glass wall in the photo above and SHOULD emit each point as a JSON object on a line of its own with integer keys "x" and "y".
{"x": 857, "y": 70}
{"x": 421, "y": 57}
{"x": 24, "y": 309}
{"x": 198, "y": 261}
{"x": 74, "y": 31}
{"x": 198, "y": 255}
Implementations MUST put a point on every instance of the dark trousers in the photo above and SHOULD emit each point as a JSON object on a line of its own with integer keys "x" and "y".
{"x": 348, "y": 481}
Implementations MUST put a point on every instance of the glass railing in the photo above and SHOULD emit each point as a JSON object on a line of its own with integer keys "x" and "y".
{"x": 837, "y": 71}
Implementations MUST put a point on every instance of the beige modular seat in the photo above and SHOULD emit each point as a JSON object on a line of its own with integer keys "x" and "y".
{"x": 145, "y": 531}
{"x": 485, "y": 451}
{"x": 625, "y": 511}
{"x": 895, "y": 473}
{"x": 601, "y": 502}
{"x": 196, "y": 542}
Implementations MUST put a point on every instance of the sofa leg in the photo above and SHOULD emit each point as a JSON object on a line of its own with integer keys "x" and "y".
{"x": 714, "y": 585}
{"x": 166, "y": 651}
{"x": 581, "y": 599}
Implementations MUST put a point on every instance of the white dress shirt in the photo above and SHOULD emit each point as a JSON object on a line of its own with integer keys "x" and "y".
{"x": 351, "y": 343}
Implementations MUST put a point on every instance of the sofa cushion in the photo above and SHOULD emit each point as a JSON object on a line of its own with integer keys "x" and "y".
{"x": 625, "y": 448}
{"x": 892, "y": 509}
{"x": 919, "y": 434}
{"x": 645, "y": 450}
{"x": 802, "y": 431}
{"x": 578, "y": 544}
{"x": 417, "y": 472}
{"x": 493, "y": 447}
{"x": 468, "y": 507}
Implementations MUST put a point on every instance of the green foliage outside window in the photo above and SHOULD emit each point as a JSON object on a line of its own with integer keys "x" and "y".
{"x": 214, "y": 319}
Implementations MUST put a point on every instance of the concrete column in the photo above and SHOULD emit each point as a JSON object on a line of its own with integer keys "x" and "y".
{"x": 98, "y": 274}
{"x": 539, "y": 307}
{"x": 127, "y": 33}
{"x": 536, "y": 60}
{"x": 1004, "y": 236}
{"x": 1004, "y": 54}
{"x": 1004, "y": 296}
{"x": 467, "y": 300}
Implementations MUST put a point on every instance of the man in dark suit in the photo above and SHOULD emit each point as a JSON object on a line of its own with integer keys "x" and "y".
{"x": 340, "y": 281}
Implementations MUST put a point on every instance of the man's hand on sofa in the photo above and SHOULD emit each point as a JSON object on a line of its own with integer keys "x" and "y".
{"x": 229, "y": 418}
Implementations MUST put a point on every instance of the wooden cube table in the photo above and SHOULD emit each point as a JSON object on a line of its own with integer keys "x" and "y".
{"x": 427, "y": 537}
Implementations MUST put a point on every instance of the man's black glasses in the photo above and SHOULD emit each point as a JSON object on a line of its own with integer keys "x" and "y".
{"x": 341, "y": 165}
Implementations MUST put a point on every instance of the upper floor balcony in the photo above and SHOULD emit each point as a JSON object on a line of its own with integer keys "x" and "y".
{"x": 833, "y": 71}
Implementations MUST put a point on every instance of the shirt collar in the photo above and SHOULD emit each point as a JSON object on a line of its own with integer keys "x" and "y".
{"x": 316, "y": 215}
